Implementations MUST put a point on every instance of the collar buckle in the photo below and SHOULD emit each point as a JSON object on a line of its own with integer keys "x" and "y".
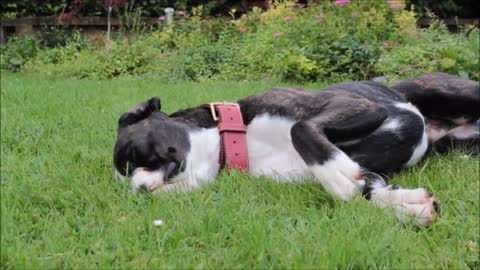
{"x": 214, "y": 104}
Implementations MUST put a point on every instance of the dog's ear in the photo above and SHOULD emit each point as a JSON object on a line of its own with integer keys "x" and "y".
{"x": 139, "y": 112}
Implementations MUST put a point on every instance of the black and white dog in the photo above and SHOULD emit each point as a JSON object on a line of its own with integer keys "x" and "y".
{"x": 343, "y": 137}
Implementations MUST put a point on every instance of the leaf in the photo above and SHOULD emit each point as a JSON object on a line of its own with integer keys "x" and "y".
{"x": 15, "y": 61}
{"x": 447, "y": 63}
{"x": 463, "y": 74}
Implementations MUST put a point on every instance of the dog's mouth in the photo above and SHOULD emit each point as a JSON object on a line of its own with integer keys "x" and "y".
{"x": 161, "y": 186}
{"x": 170, "y": 171}
{"x": 147, "y": 180}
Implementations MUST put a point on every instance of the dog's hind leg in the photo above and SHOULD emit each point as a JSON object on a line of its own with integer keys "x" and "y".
{"x": 313, "y": 139}
{"x": 343, "y": 177}
{"x": 450, "y": 106}
{"x": 416, "y": 205}
{"x": 442, "y": 96}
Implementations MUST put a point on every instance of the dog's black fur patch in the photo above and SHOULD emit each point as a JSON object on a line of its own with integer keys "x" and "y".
{"x": 442, "y": 96}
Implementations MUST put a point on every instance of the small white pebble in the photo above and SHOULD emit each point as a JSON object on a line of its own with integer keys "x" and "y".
{"x": 158, "y": 222}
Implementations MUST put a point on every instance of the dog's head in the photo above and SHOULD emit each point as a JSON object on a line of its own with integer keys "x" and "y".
{"x": 151, "y": 148}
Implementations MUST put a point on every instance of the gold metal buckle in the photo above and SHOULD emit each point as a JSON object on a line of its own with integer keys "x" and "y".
{"x": 213, "y": 104}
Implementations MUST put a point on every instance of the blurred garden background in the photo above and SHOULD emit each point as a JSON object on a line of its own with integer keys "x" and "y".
{"x": 298, "y": 41}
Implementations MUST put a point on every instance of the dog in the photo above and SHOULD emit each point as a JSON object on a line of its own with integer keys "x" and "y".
{"x": 345, "y": 137}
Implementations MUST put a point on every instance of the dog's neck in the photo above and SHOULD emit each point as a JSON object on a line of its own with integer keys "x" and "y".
{"x": 197, "y": 117}
{"x": 203, "y": 159}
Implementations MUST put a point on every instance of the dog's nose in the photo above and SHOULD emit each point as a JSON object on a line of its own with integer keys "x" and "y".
{"x": 142, "y": 188}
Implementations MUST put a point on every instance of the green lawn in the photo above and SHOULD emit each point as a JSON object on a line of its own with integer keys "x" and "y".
{"x": 61, "y": 206}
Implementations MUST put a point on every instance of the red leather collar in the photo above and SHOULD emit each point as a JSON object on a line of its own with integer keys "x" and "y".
{"x": 233, "y": 139}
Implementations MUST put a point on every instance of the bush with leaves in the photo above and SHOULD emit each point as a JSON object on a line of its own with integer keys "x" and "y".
{"x": 433, "y": 49}
{"x": 329, "y": 41}
{"x": 125, "y": 58}
{"x": 18, "y": 51}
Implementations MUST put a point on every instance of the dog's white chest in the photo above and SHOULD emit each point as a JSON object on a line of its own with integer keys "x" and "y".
{"x": 270, "y": 149}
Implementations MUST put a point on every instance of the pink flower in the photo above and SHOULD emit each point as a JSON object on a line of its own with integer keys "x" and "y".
{"x": 242, "y": 29}
{"x": 287, "y": 18}
{"x": 276, "y": 34}
{"x": 161, "y": 18}
{"x": 341, "y": 2}
{"x": 319, "y": 17}
{"x": 395, "y": 4}
{"x": 181, "y": 12}
{"x": 386, "y": 45}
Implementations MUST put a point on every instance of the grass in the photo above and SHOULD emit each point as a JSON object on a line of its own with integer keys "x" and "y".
{"x": 61, "y": 206}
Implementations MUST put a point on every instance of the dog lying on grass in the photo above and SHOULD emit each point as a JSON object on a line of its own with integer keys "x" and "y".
{"x": 344, "y": 137}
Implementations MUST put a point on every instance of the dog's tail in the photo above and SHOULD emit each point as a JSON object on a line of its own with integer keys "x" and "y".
{"x": 450, "y": 105}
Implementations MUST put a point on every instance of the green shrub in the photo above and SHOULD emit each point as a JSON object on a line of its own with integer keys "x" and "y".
{"x": 44, "y": 47}
{"x": 433, "y": 49}
{"x": 18, "y": 51}
{"x": 324, "y": 42}
{"x": 125, "y": 58}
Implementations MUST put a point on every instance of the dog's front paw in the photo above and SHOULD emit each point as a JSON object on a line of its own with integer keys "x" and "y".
{"x": 340, "y": 176}
{"x": 416, "y": 205}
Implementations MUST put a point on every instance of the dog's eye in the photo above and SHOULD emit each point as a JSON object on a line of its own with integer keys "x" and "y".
{"x": 154, "y": 162}
{"x": 158, "y": 158}
{"x": 161, "y": 160}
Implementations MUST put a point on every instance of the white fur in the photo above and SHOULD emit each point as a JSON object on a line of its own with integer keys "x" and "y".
{"x": 408, "y": 204}
{"x": 409, "y": 107}
{"x": 272, "y": 153}
{"x": 464, "y": 132}
{"x": 147, "y": 179}
{"x": 202, "y": 163}
{"x": 120, "y": 176}
{"x": 339, "y": 176}
{"x": 422, "y": 146}
{"x": 270, "y": 149}
{"x": 391, "y": 124}
{"x": 460, "y": 121}
{"x": 419, "y": 151}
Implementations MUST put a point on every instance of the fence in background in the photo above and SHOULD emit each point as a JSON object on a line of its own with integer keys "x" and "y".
{"x": 92, "y": 27}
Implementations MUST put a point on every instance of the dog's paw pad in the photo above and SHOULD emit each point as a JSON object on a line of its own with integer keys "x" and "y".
{"x": 423, "y": 213}
{"x": 436, "y": 206}
{"x": 417, "y": 205}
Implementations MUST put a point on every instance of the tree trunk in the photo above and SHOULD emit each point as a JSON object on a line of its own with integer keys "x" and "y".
{"x": 109, "y": 27}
